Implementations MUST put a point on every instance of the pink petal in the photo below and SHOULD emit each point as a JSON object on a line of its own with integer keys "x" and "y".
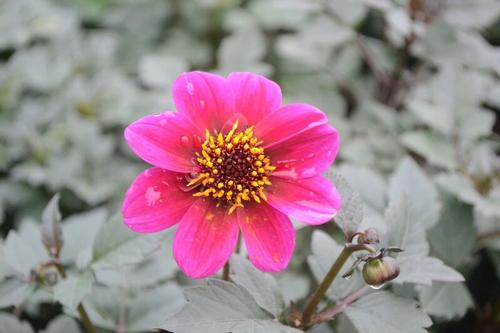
{"x": 287, "y": 122}
{"x": 307, "y": 154}
{"x": 167, "y": 140}
{"x": 206, "y": 98}
{"x": 312, "y": 200}
{"x": 205, "y": 239}
{"x": 255, "y": 96}
{"x": 155, "y": 201}
{"x": 269, "y": 236}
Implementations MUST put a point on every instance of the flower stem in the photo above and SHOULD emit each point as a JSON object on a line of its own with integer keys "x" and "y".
{"x": 325, "y": 284}
{"x": 330, "y": 312}
{"x": 225, "y": 272}
{"x": 87, "y": 323}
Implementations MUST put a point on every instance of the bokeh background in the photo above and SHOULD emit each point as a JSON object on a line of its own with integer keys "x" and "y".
{"x": 396, "y": 77}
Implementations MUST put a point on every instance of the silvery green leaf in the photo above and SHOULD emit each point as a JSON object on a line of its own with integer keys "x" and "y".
{"x": 410, "y": 180}
{"x": 351, "y": 212}
{"x": 73, "y": 289}
{"x": 116, "y": 245}
{"x": 462, "y": 187}
{"x": 52, "y": 235}
{"x": 351, "y": 12}
{"x": 243, "y": 51}
{"x": 445, "y": 300}
{"x": 424, "y": 270}
{"x": 14, "y": 292}
{"x": 436, "y": 148}
{"x": 159, "y": 266}
{"x": 62, "y": 324}
{"x": 324, "y": 252}
{"x": 472, "y": 14}
{"x": 19, "y": 255}
{"x": 384, "y": 312}
{"x": 274, "y": 14}
{"x": 453, "y": 238}
{"x": 79, "y": 231}
{"x": 149, "y": 308}
{"x": 408, "y": 234}
{"x": 219, "y": 306}
{"x": 263, "y": 287}
{"x": 487, "y": 227}
{"x": 295, "y": 286}
{"x": 368, "y": 183}
{"x": 11, "y": 324}
{"x": 160, "y": 70}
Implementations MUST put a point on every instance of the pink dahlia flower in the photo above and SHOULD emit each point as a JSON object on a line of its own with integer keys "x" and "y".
{"x": 232, "y": 158}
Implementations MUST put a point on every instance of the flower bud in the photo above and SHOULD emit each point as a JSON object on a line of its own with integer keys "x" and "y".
{"x": 369, "y": 236}
{"x": 376, "y": 272}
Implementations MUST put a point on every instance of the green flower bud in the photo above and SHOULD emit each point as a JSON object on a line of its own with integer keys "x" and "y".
{"x": 376, "y": 272}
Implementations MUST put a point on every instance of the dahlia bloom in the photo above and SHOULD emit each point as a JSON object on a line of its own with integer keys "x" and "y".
{"x": 231, "y": 158}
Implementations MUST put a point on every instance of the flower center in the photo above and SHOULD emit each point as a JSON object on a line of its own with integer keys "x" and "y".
{"x": 233, "y": 168}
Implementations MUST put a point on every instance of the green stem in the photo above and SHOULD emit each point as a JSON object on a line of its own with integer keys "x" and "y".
{"x": 325, "y": 284}
{"x": 87, "y": 323}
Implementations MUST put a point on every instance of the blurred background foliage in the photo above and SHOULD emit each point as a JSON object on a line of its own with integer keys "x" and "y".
{"x": 396, "y": 77}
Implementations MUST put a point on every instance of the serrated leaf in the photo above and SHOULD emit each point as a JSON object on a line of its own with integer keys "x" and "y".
{"x": 406, "y": 233}
{"x": 116, "y": 245}
{"x": 384, "y": 312}
{"x": 409, "y": 180}
{"x": 52, "y": 236}
{"x": 219, "y": 306}
{"x": 11, "y": 324}
{"x": 324, "y": 252}
{"x": 263, "y": 287}
{"x": 351, "y": 211}
{"x": 445, "y": 300}
{"x": 72, "y": 290}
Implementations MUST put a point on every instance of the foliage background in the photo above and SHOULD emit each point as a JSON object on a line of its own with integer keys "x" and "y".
{"x": 412, "y": 86}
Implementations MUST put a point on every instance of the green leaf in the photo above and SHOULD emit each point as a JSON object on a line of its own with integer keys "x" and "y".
{"x": 72, "y": 290}
{"x": 116, "y": 245}
{"x": 62, "y": 324}
{"x": 409, "y": 180}
{"x": 384, "y": 312}
{"x": 324, "y": 252}
{"x": 445, "y": 300}
{"x": 263, "y": 287}
{"x": 454, "y": 237}
{"x": 52, "y": 236}
{"x": 219, "y": 306}
{"x": 11, "y": 324}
